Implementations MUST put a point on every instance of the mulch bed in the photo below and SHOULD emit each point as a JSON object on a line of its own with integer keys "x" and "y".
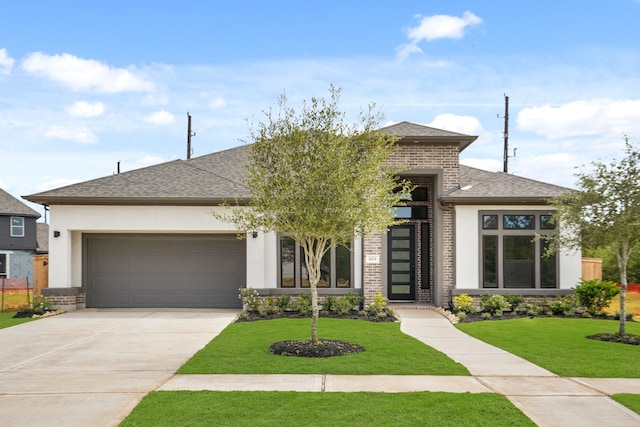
{"x": 254, "y": 316}
{"x": 624, "y": 339}
{"x": 324, "y": 348}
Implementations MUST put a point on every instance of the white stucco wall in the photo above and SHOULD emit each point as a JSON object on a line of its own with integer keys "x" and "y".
{"x": 467, "y": 239}
{"x": 65, "y": 251}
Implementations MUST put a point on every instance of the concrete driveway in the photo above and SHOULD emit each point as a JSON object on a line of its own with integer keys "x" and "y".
{"x": 92, "y": 367}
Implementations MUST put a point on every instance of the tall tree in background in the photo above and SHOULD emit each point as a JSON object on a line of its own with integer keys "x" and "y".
{"x": 605, "y": 212}
{"x": 320, "y": 180}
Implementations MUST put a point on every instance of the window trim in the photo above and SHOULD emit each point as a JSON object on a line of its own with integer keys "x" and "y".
{"x": 501, "y": 232}
{"x": 5, "y": 273}
{"x": 16, "y": 227}
{"x": 298, "y": 267}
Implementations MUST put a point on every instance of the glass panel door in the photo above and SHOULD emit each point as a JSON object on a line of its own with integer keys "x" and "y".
{"x": 401, "y": 261}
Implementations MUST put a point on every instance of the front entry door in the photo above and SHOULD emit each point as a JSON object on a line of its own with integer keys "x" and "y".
{"x": 401, "y": 255}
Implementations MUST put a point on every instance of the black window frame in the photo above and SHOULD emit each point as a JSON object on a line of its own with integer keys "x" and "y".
{"x": 300, "y": 277}
{"x": 493, "y": 272}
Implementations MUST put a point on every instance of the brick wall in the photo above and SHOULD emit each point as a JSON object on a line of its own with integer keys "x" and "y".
{"x": 437, "y": 157}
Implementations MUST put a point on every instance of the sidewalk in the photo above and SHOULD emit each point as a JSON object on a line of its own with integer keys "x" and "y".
{"x": 544, "y": 397}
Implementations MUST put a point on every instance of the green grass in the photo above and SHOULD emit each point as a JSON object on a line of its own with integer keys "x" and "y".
{"x": 243, "y": 348}
{"x": 7, "y": 320}
{"x": 561, "y": 346}
{"x": 631, "y": 401}
{"x": 255, "y": 409}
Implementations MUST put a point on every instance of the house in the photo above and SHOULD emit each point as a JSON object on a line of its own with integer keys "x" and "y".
{"x": 147, "y": 238}
{"x": 21, "y": 237}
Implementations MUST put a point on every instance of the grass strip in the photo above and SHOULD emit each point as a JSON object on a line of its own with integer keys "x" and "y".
{"x": 7, "y": 320}
{"x": 242, "y": 348}
{"x": 631, "y": 401}
{"x": 560, "y": 345}
{"x": 255, "y": 409}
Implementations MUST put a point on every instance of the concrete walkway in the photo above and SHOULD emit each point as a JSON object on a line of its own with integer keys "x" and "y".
{"x": 92, "y": 367}
{"x": 544, "y": 397}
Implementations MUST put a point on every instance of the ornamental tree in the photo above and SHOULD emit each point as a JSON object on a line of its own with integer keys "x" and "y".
{"x": 319, "y": 179}
{"x": 604, "y": 211}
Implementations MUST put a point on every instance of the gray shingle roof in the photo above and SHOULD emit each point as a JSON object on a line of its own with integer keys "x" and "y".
{"x": 202, "y": 180}
{"x": 9, "y": 205}
{"x": 415, "y": 133}
{"x": 412, "y": 129}
{"x": 477, "y": 185}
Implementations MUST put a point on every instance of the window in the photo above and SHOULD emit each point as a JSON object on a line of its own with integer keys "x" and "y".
{"x": 335, "y": 269}
{"x": 416, "y": 205}
{"x": 511, "y": 256}
{"x": 17, "y": 226}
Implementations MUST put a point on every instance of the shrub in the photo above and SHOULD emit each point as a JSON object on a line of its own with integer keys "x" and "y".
{"x": 283, "y": 302}
{"x": 251, "y": 298}
{"x": 596, "y": 294}
{"x": 564, "y": 305}
{"x": 269, "y": 306}
{"x": 485, "y": 316}
{"x": 514, "y": 301}
{"x": 463, "y": 303}
{"x": 355, "y": 300}
{"x": 343, "y": 305}
{"x": 302, "y": 304}
{"x": 461, "y": 315}
{"x": 329, "y": 303}
{"x": 532, "y": 309}
{"x": 378, "y": 305}
{"x": 493, "y": 303}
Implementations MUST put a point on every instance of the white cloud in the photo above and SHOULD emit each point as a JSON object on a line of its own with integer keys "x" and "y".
{"x": 6, "y": 62}
{"x": 436, "y": 27}
{"x": 217, "y": 103}
{"x": 85, "y": 74}
{"x": 467, "y": 125}
{"x": 583, "y": 118}
{"x": 85, "y": 109}
{"x": 160, "y": 118}
{"x": 442, "y": 27}
{"x": 80, "y": 135}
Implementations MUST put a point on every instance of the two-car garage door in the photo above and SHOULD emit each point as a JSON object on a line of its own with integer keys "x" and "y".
{"x": 169, "y": 270}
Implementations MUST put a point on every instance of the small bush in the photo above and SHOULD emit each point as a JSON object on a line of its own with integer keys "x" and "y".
{"x": 251, "y": 298}
{"x": 485, "y": 316}
{"x": 463, "y": 303}
{"x": 532, "y": 309}
{"x": 514, "y": 301}
{"x": 329, "y": 303}
{"x": 378, "y": 305}
{"x": 461, "y": 315}
{"x": 269, "y": 306}
{"x": 283, "y": 302}
{"x": 302, "y": 304}
{"x": 493, "y": 303}
{"x": 343, "y": 305}
{"x": 355, "y": 300}
{"x": 594, "y": 295}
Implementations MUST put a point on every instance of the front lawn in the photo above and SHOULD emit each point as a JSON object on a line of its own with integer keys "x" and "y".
{"x": 7, "y": 320}
{"x": 255, "y": 409}
{"x": 560, "y": 345}
{"x": 631, "y": 401}
{"x": 242, "y": 348}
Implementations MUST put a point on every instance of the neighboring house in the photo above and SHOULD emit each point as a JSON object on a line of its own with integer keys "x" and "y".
{"x": 147, "y": 238}
{"x": 20, "y": 238}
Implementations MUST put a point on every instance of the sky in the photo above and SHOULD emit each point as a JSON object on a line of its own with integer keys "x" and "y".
{"x": 85, "y": 85}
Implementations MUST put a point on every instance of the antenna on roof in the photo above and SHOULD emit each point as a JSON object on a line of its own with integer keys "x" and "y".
{"x": 189, "y": 135}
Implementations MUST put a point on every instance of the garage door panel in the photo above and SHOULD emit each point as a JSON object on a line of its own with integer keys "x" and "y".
{"x": 164, "y": 270}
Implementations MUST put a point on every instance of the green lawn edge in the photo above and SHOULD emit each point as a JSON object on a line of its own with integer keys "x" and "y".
{"x": 243, "y": 348}
{"x": 7, "y": 320}
{"x": 560, "y": 345}
{"x": 256, "y": 409}
{"x": 631, "y": 401}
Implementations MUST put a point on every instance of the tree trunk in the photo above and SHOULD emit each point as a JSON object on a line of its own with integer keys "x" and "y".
{"x": 623, "y": 260}
{"x": 314, "y": 250}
